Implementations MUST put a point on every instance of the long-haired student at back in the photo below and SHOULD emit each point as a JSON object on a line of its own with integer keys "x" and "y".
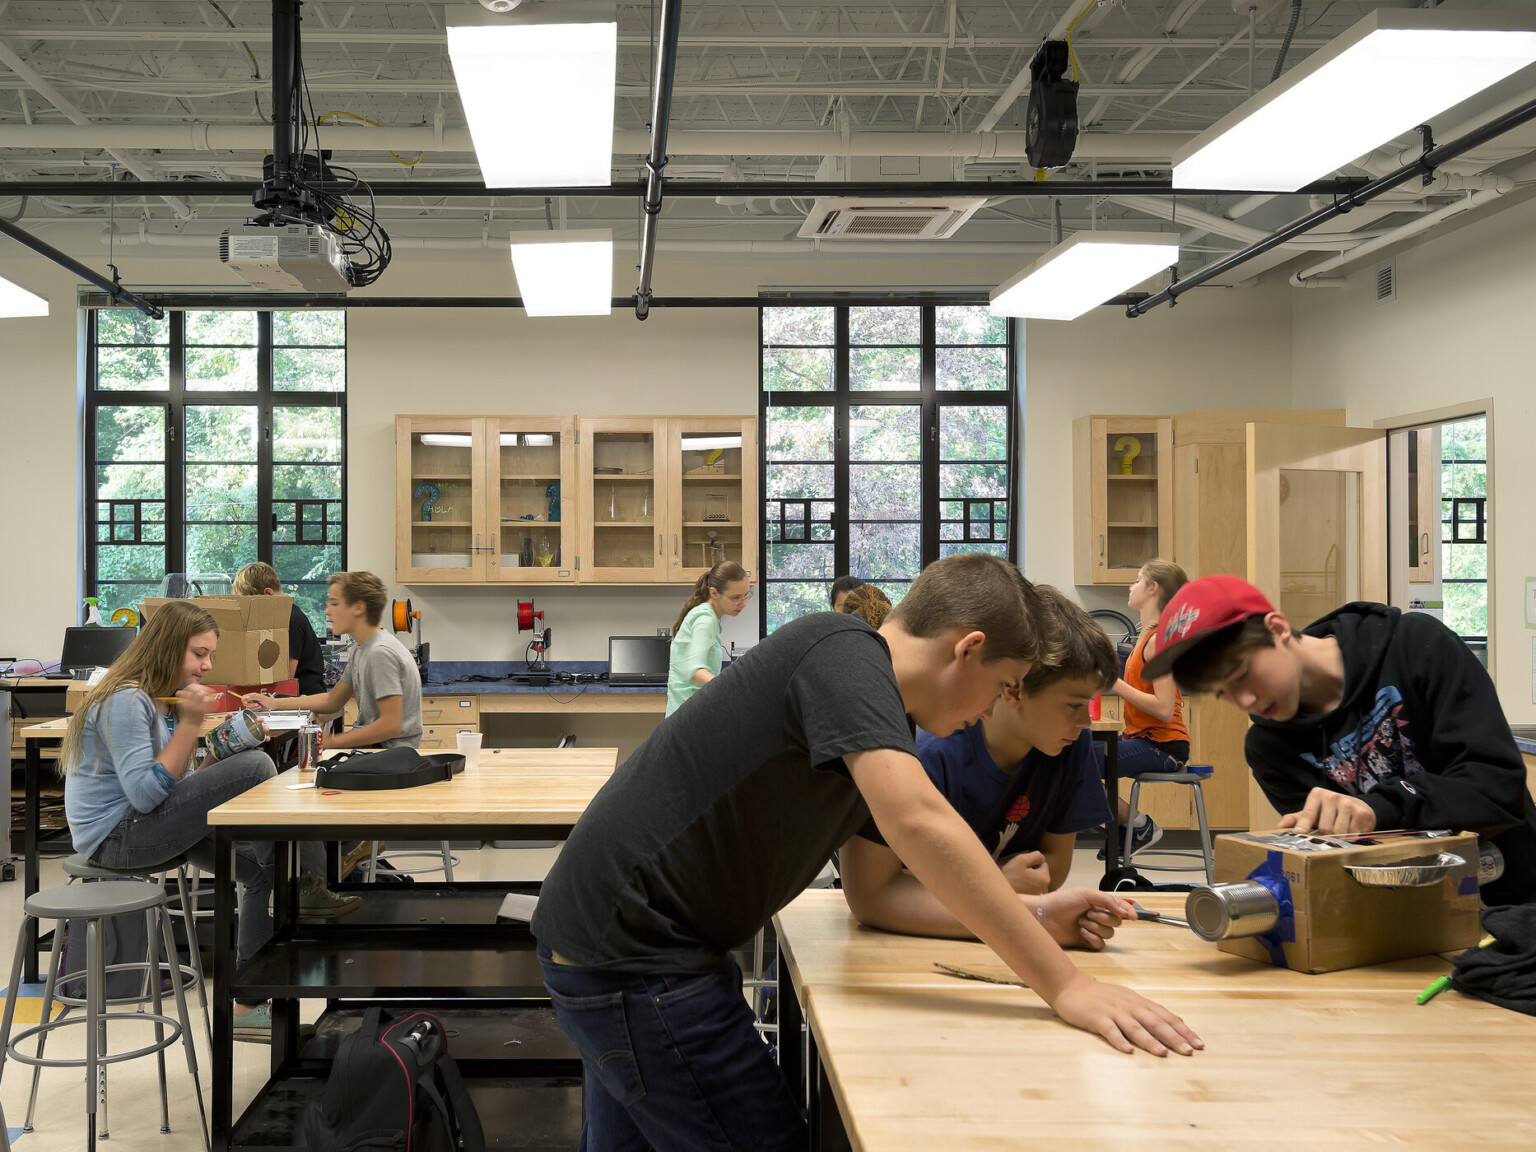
{"x": 695, "y": 654}
{"x": 131, "y": 794}
{"x": 733, "y": 806}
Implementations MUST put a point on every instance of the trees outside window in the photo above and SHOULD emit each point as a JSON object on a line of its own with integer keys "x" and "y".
{"x": 215, "y": 439}
{"x": 887, "y": 437}
{"x": 1464, "y": 526}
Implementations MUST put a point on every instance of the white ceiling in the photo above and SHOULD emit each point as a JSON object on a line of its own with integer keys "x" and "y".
{"x": 181, "y": 89}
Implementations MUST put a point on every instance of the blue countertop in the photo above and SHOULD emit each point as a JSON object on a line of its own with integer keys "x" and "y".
{"x": 481, "y": 677}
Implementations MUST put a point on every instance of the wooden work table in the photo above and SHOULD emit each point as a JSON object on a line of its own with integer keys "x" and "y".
{"x": 417, "y": 943}
{"x": 905, "y": 1057}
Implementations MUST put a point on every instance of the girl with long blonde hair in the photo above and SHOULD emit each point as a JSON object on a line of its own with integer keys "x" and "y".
{"x": 696, "y": 653}
{"x": 131, "y": 794}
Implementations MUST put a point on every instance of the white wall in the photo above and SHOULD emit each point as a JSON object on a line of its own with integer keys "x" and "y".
{"x": 1218, "y": 349}
{"x": 1460, "y": 329}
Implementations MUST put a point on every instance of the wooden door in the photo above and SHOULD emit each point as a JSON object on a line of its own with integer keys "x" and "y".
{"x": 622, "y": 482}
{"x": 531, "y": 500}
{"x": 1317, "y": 525}
{"x": 440, "y": 534}
{"x": 712, "y": 505}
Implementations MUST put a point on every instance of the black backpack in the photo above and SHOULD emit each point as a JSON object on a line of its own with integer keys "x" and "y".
{"x": 368, "y": 771}
{"x": 393, "y": 1085}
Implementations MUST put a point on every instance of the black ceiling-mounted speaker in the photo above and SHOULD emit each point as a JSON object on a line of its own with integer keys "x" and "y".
{"x": 1050, "y": 123}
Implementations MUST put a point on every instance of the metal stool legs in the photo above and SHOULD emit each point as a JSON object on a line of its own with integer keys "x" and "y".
{"x": 446, "y": 867}
{"x": 1189, "y": 780}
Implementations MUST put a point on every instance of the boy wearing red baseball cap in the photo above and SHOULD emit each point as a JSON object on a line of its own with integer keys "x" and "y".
{"x": 1368, "y": 718}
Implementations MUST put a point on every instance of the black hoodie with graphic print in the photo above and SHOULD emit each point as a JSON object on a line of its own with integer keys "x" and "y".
{"x": 1419, "y": 736}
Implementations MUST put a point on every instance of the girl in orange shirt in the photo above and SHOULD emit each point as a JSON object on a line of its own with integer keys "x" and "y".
{"x": 1155, "y": 737}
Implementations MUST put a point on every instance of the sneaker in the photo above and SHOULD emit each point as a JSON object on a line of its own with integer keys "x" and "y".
{"x": 1143, "y": 836}
{"x": 254, "y": 1027}
{"x": 315, "y": 899}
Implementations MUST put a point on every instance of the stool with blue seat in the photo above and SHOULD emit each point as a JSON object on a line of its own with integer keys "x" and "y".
{"x": 1190, "y": 776}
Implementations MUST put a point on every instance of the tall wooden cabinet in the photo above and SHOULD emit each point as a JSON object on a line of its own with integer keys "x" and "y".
{"x": 1204, "y": 456}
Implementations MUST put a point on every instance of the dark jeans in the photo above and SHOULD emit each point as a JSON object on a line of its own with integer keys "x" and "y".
{"x": 179, "y": 826}
{"x": 1138, "y": 755}
{"x": 672, "y": 1063}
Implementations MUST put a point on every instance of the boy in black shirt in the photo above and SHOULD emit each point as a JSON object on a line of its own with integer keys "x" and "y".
{"x": 732, "y": 807}
{"x": 1369, "y": 718}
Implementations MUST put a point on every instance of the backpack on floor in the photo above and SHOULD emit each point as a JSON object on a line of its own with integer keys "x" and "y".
{"x": 393, "y": 1085}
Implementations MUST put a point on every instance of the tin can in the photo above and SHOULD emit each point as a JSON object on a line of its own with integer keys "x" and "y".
{"x": 242, "y": 731}
{"x": 1241, "y": 908}
{"x": 311, "y": 744}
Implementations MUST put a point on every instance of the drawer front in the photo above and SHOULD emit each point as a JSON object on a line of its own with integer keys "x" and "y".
{"x": 450, "y": 710}
{"x": 444, "y": 737}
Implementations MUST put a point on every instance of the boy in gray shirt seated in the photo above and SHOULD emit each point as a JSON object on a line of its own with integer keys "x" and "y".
{"x": 381, "y": 675}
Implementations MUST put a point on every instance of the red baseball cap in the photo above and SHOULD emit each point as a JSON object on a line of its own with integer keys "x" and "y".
{"x": 1199, "y": 608}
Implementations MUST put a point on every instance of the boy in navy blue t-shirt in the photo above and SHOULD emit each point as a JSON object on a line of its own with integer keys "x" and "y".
{"x": 1025, "y": 779}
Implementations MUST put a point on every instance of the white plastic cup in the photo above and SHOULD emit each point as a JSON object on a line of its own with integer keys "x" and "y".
{"x": 469, "y": 748}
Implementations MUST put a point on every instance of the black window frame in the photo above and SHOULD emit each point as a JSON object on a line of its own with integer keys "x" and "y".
{"x": 930, "y": 401}
{"x": 174, "y": 401}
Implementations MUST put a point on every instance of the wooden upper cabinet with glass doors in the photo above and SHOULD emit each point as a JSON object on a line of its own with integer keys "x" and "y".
{"x": 484, "y": 498}
{"x": 1122, "y": 497}
{"x": 712, "y": 506}
{"x": 621, "y": 468}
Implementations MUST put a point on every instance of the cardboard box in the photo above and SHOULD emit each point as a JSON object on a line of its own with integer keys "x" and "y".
{"x": 253, "y": 636}
{"x": 1336, "y": 921}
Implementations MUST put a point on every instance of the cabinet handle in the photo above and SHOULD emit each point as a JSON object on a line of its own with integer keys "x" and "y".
{"x": 1425, "y": 553}
{"x": 1101, "y": 545}
{"x": 494, "y": 549}
{"x": 661, "y": 545}
{"x": 674, "y": 543}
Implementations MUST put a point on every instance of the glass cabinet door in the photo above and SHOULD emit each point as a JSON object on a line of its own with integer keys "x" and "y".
{"x": 713, "y": 466}
{"x": 439, "y": 536}
{"x": 531, "y": 510}
{"x": 621, "y": 461}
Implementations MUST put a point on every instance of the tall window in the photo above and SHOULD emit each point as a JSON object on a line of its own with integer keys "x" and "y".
{"x": 1464, "y": 526}
{"x": 215, "y": 439}
{"x": 887, "y": 436}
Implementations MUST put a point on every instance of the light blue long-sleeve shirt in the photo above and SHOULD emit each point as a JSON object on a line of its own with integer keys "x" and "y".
{"x": 117, "y": 767}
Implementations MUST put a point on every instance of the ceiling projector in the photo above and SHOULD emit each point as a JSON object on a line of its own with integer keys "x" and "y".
{"x": 286, "y": 257}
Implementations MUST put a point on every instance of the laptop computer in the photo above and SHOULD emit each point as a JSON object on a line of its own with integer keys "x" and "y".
{"x": 638, "y": 660}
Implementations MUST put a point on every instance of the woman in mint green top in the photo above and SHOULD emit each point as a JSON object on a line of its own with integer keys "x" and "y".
{"x": 696, "y": 655}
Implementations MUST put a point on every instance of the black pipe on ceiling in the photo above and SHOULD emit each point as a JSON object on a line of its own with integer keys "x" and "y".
{"x": 676, "y": 189}
{"x": 319, "y": 301}
{"x": 116, "y": 293}
{"x": 1423, "y": 167}
{"x": 661, "y": 112}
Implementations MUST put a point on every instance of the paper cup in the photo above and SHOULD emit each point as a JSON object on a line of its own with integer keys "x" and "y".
{"x": 469, "y": 748}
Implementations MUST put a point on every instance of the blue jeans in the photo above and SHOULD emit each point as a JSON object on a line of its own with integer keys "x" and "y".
{"x": 179, "y": 826}
{"x": 672, "y": 1063}
{"x": 1138, "y": 755}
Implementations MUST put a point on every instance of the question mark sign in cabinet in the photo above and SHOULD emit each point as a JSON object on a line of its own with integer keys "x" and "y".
{"x": 432, "y": 492}
{"x": 1131, "y": 447}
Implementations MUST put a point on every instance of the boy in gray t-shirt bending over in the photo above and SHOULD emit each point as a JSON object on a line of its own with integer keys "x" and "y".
{"x": 381, "y": 675}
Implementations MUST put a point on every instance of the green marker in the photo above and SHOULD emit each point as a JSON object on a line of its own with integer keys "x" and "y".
{"x": 1439, "y": 986}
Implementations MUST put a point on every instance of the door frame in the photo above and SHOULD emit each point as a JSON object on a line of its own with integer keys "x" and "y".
{"x": 1463, "y": 410}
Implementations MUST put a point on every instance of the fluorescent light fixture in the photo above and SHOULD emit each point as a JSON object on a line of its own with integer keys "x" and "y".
{"x": 1082, "y": 272}
{"x": 17, "y": 301}
{"x": 529, "y": 439}
{"x": 1388, "y": 74}
{"x": 537, "y": 86}
{"x": 564, "y": 273}
{"x": 708, "y": 443}
{"x": 446, "y": 440}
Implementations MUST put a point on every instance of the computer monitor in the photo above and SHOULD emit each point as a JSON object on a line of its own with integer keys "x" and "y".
{"x": 638, "y": 659}
{"x": 94, "y": 647}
